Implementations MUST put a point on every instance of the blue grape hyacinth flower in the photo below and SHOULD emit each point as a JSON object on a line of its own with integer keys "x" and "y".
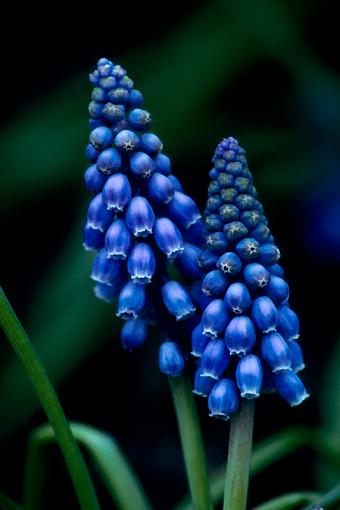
{"x": 243, "y": 296}
{"x": 140, "y": 221}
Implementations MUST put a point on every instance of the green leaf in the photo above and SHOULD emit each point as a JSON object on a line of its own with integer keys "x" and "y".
{"x": 110, "y": 462}
{"x": 289, "y": 501}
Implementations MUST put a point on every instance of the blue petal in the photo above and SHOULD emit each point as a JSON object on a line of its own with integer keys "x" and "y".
{"x": 117, "y": 192}
{"x": 214, "y": 283}
{"x": 278, "y": 290}
{"x": 133, "y": 334}
{"x": 118, "y": 240}
{"x": 105, "y": 270}
{"x": 240, "y": 335}
{"x": 160, "y": 188}
{"x": 214, "y": 319}
{"x": 198, "y": 341}
{"x": 276, "y": 352}
{"x": 141, "y": 263}
{"x": 140, "y": 217}
{"x": 248, "y": 248}
{"x": 98, "y": 217}
{"x": 109, "y": 161}
{"x": 168, "y": 238}
{"x": 256, "y": 275}
{"x": 202, "y": 385}
{"x": 249, "y": 375}
{"x": 215, "y": 359}
{"x": 288, "y": 323}
{"x": 290, "y": 387}
{"x": 223, "y": 399}
{"x": 101, "y": 137}
{"x": 264, "y": 314}
{"x": 229, "y": 263}
{"x": 171, "y": 361}
{"x": 142, "y": 165}
{"x": 177, "y": 300}
{"x": 237, "y": 298}
{"x": 131, "y": 301}
{"x": 187, "y": 262}
{"x": 183, "y": 210}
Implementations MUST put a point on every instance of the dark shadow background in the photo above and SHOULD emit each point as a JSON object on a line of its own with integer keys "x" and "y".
{"x": 267, "y": 73}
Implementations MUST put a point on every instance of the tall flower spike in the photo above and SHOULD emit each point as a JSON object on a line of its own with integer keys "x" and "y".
{"x": 139, "y": 219}
{"x": 249, "y": 307}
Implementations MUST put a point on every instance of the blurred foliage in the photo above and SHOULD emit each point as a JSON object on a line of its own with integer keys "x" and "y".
{"x": 244, "y": 68}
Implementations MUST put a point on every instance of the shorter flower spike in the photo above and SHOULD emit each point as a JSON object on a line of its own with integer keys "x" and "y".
{"x": 249, "y": 308}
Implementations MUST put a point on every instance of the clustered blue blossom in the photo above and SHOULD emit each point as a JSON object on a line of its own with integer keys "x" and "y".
{"x": 232, "y": 297}
{"x": 246, "y": 341}
{"x": 139, "y": 220}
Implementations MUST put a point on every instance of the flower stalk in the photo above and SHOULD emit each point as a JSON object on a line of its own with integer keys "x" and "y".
{"x": 192, "y": 443}
{"x": 239, "y": 454}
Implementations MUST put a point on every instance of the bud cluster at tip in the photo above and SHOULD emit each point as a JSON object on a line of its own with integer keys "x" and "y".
{"x": 246, "y": 340}
{"x": 139, "y": 220}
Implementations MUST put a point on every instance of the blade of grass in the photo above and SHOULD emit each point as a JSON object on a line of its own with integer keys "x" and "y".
{"x": 289, "y": 501}
{"x": 49, "y": 401}
{"x": 112, "y": 466}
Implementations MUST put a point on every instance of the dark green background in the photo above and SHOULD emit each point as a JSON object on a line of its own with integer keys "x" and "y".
{"x": 266, "y": 72}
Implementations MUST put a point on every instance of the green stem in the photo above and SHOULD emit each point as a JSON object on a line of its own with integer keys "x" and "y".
{"x": 7, "y": 503}
{"x": 26, "y": 353}
{"x": 192, "y": 443}
{"x": 290, "y": 501}
{"x": 239, "y": 453}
